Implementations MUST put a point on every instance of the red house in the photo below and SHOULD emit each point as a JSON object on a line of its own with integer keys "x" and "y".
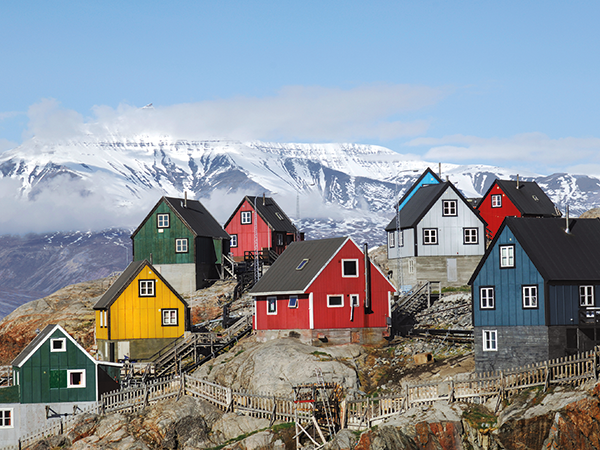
{"x": 261, "y": 216}
{"x": 510, "y": 198}
{"x": 319, "y": 291}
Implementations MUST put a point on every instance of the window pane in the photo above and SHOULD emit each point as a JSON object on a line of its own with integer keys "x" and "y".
{"x": 350, "y": 268}
{"x": 335, "y": 300}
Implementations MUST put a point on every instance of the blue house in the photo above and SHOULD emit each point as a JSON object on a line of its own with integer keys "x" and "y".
{"x": 534, "y": 292}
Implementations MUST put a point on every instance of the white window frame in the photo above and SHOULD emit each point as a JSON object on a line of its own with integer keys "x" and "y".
{"x": 163, "y": 220}
{"x": 487, "y": 297}
{"x": 63, "y": 346}
{"x": 280, "y": 239}
{"x": 7, "y": 415}
{"x": 246, "y": 217}
{"x": 166, "y": 317}
{"x": 181, "y": 245}
{"x": 71, "y": 372}
{"x": 496, "y": 201}
{"x": 103, "y": 319}
{"x": 233, "y": 240}
{"x": 490, "y": 340}
{"x": 508, "y": 260}
{"x": 391, "y": 239}
{"x": 272, "y": 301}
{"x": 344, "y": 261}
{"x": 470, "y": 235}
{"x": 329, "y": 305}
{"x": 354, "y": 300}
{"x": 430, "y": 236}
{"x": 449, "y": 208}
{"x": 586, "y": 295}
{"x": 149, "y": 286}
{"x": 530, "y": 296}
{"x": 400, "y": 238}
{"x": 293, "y": 301}
{"x": 411, "y": 266}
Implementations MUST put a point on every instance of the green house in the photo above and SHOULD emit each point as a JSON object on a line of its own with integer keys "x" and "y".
{"x": 184, "y": 242}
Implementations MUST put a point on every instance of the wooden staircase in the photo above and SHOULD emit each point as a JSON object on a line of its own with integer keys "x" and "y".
{"x": 404, "y": 308}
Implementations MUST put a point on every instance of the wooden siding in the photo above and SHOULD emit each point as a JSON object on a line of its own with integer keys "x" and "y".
{"x": 101, "y": 332}
{"x": 245, "y": 232}
{"x": 495, "y": 216}
{"x": 564, "y": 303}
{"x": 161, "y": 245}
{"x": 450, "y": 229}
{"x": 408, "y": 245}
{"x": 36, "y": 372}
{"x": 508, "y": 283}
{"x": 427, "y": 179}
{"x": 135, "y": 317}
{"x": 286, "y": 318}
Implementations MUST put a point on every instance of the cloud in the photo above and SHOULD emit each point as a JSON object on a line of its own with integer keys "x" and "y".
{"x": 295, "y": 113}
{"x": 536, "y": 150}
{"x": 5, "y": 144}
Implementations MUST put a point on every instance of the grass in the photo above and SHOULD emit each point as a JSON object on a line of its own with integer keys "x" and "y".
{"x": 451, "y": 289}
{"x": 480, "y": 418}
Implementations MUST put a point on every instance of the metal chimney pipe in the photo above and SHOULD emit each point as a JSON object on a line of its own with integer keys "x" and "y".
{"x": 185, "y": 199}
{"x": 567, "y": 220}
{"x": 518, "y": 184}
{"x": 367, "y": 279}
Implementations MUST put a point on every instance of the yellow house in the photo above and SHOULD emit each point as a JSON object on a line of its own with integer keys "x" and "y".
{"x": 139, "y": 315}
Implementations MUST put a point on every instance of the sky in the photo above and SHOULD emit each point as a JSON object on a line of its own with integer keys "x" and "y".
{"x": 513, "y": 84}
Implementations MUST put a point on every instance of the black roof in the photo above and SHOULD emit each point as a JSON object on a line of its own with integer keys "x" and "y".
{"x": 125, "y": 280}
{"x": 529, "y": 198}
{"x": 283, "y": 277}
{"x": 557, "y": 255}
{"x": 268, "y": 209}
{"x": 421, "y": 201}
{"x": 194, "y": 215}
{"x": 415, "y": 185}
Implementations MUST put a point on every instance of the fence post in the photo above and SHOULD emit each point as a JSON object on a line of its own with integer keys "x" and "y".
{"x": 229, "y": 400}
{"x": 547, "y": 377}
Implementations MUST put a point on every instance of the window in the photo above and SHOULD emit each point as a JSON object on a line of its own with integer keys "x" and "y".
{"x": 58, "y": 345}
{"x": 279, "y": 239}
{"x": 246, "y": 217}
{"x": 103, "y": 319}
{"x": 335, "y": 301}
{"x": 392, "y": 239}
{"x": 486, "y": 298}
{"x": 302, "y": 264}
{"x": 400, "y": 238}
{"x": 271, "y": 305}
{"x": 170, "y": 317}
{"x": 293, "y": 303}
{"x": 181, "y": 245}
{"x": 350, "y": 268}
{"x": 411, "y": 266}
{"x": 6, "y": 418}
{"x": 497, "y": 201}
{"x": 470, "y": 235}
{"x": 586, "y": 296}
{"x": 162, "y": 220}
{"x": 233, "y": 240}
{"x": 147, "y": 288}
{"x": 490, "y": 340}
{"x": 354, "y": 300}
{"x": 279, "y": 216}
{"x": 530, "y": 297}
{"x": 507, "y": 256}
{"x": 430, "y": 236}
{"x": 76, "y": 378}
{"x": 449, "y": 208}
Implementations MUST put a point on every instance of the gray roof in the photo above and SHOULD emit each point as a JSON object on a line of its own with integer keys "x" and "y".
{"x": 268, "y": 209}
{"x": 195, "y": 216}
{"x": 41, "y": 337}
{"x": 529, "y": 198}
{"x": 125, "y": 279}
{"x": 283, "y": 277}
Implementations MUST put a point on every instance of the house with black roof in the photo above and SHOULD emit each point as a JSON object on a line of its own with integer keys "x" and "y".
{"x": 184, "y": 242}
{"x": 514, "y": 198}
{"x": 435, "y": 236}
{"x": 260, "y": 221}
{"x": 534, "y": 292}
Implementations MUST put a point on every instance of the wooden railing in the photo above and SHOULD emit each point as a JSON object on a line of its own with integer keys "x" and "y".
{"x": 6, "y": 374}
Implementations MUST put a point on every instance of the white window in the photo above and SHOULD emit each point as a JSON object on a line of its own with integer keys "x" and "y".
{"x": 170, "y": 317}
{"x": 233, "y": 240}
{"x": 507, "y": 256}
{"x": 430, "y": 236}
{"x": 163, "y": 220}
{"x": 280, "y": 240}
{"x": 350, "y": 268}
{"x": 103, "y": 319}
{"x": 449, "y": 208}
{"x": 400, "y": 238}
{"x": 6, "y": 418}
{"x": 76, "y": 378}
{"x": 490, "y": 340}
{"x": 147, "y": 288}
{"x": 586, "y": 296}
{"x": 293, "y": 303}
{"x": 486, "y": 297}
{"x": 354, "y": 300}
{"x": 181, "y": 245}
{"x": 411, "y": 266}
{"x": 58, "y": 345}
{"x": 271, "y": 305}
{"x": 470, "y": 236}
{"x": 530, "y": 297}
{"x": 246, "y": 217}
{"x": 335, "y": 301}
{"x": 392, "y": 239}
{"x": 497, "y": 201}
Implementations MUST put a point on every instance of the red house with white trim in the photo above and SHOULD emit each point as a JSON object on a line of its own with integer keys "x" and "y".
{"x": 274, "y": 229}
{"x": 514, "y": 198}
{"x": 320, "y": 292}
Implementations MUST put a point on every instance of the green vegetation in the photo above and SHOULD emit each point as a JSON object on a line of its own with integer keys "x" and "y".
{"x": 450, "y": 289}
{"x": 480, "y": 418}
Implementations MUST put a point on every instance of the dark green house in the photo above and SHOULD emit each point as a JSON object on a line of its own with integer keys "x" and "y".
{"x": 184, "y": 242}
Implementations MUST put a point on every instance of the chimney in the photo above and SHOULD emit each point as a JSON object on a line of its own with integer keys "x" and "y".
{"x": 367, "y": 305}
{"x": 185, "y": 199}
{"x": 567, "y": 220}
{"x": 518, "y": 184}
{"x": 440, "y": 169}
{"x": 264, "y": 199}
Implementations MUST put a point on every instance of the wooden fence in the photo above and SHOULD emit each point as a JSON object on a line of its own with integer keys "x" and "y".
{"x": 6, "y": 373}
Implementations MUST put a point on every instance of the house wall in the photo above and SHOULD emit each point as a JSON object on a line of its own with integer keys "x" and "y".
{"x": 450, "y": 229}
{"x": 181, "y": 277}
{"x": 135, "y": 349}
{"x": 245, "y": 232}
{"x": 508, "y": 283}
{"x": 427, "y": 179}
{"x": 286, "y": 317}
{"x": 325, "y": 337}
{"x": 407, "y": 248}
{"x": 495, "y": 216}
